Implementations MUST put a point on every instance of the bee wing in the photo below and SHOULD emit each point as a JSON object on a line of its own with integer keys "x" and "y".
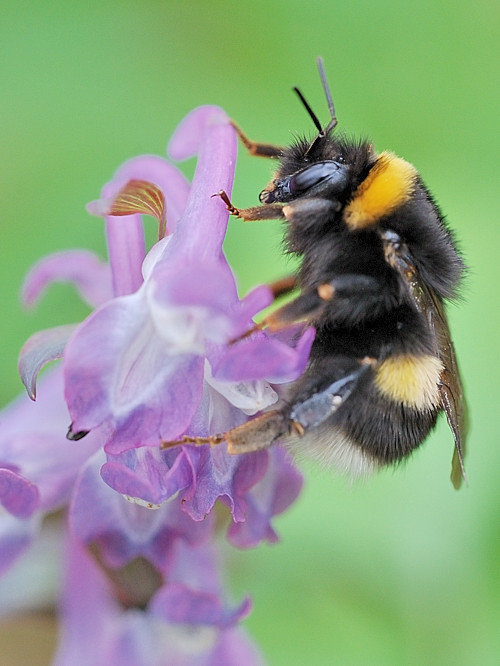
{"x": 450, "y": 387}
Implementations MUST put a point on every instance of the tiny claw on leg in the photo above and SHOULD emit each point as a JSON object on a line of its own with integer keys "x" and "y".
{"x": 213, "y": 440}
{"x": 232, "y": 209}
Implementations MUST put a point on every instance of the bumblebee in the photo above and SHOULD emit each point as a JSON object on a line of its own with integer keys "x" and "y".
{"x": 377, "y": 262}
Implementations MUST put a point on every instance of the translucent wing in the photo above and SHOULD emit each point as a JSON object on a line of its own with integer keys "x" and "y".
{"x": 450, "y": 387}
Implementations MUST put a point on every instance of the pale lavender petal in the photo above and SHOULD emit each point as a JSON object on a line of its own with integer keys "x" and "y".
{"x": 129, "y": 379}
{"x": 126, "y": 251}
{"x": 194, "y": 593}
{"x": 87, "y": 272}
{"x": 269, "y": 497}
{"x": 180, "y": 604}
{"x": 42, "y": 463}
{"x": 149, "y": 474}
{"x": 256, "y": 300}
{"x": 225, "y": 477}
{"x": 31, "y": 582}
{"x": 18, "y": 496}
{"x": 208, "y": 288}
{"x": 89, "y": 613}
{"x": 33, "y": 443}
{"x": 97, "y": 632}
{"x": 263, "y": 357}
{"x": 23, "y": 416}
{"x": 186, "y": 140}
{"x": 203, "y": 224}
{"x": 124, "y": 530}
{"x": 16, "y": 535}
{"x": 214, "y": 414}
{"x": 153, "y": 169}
{"x": 249, "y": 396}
{"x": 205, "y": 293}
{"x": 39, "y": 349}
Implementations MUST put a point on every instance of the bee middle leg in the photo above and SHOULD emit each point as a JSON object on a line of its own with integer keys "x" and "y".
{"x": 313, "y": 302}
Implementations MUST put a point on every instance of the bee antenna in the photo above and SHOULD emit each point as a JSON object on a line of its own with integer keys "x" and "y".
{"x": 328, "y": 95}
{"x": 313, "y": 116}
{"x": 322, "y": 131}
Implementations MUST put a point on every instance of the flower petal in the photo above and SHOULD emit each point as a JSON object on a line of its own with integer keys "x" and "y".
{"x": 149, "y": 474}
{"x": 153, "y": 169}
{"x": 16, "y": 535}
{"x": 186, "y": 139}
{"x": 18, "y": 496}
{"x": 89, "y": 274}
{"x": 34, "y": 446}
{"x": 39, "y": 349}
{"x": 181, "y": 605}
{"x": 125, "y": 530}
{"x": 222, "y": 476}
{"x": 126, "y": 250}
{"x": 129, "y": 379}
{"x": 264, "y": 357}
{"x": 204, "y": 221}
{"x": 268, "y": 497}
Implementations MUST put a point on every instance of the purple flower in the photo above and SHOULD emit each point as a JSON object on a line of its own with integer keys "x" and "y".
{"x": 155, "y": 360}
{"x": 37, "y": 467}
{"x": 183, "y": 624}
{"x": 144, "y": 383}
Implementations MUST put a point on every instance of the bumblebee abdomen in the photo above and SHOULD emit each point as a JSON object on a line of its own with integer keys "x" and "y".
{"x": 366, "y": 433}
{"x": 380, "y": 421}
{"x": 385, "y": 430}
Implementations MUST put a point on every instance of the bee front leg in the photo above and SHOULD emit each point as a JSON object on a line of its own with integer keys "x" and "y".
{"x": 258, "y": 149}
{"x": 255, "y": 213}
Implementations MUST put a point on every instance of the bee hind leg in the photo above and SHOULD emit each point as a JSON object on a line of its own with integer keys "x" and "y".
{"x": 254, "y": 435}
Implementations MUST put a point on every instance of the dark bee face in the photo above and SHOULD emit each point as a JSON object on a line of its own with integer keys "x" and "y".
{"x": 331, "y": 169}
{"x": 326, "y": 178}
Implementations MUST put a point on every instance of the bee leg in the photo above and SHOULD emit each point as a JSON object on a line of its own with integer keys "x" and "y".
{"x": 306, "y": 307}
{"x": 259, "y": 433}
{"x": 311, "y": 304}
{"x": 213, "y": 440}
{"x": 317, "y": 408}
{"x": 284, "y": 286}
{"x": 268, "y": 212}
{"x": 258, "y": 149}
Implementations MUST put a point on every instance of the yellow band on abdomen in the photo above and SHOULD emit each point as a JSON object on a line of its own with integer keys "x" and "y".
{"x": 411, "y": 380}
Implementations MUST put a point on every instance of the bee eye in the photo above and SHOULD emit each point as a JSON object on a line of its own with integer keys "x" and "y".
{"x": 331, "y": 174}
{"x": 313, "y": 175}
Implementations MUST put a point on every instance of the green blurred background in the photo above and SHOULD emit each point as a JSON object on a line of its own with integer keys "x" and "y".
{"x": 401, "y": 569}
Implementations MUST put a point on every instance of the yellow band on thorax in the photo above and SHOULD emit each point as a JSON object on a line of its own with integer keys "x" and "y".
{"x": 389, "y": 184}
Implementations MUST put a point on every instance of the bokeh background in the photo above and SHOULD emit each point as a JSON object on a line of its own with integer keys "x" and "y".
{"x": 398, "y": 570}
